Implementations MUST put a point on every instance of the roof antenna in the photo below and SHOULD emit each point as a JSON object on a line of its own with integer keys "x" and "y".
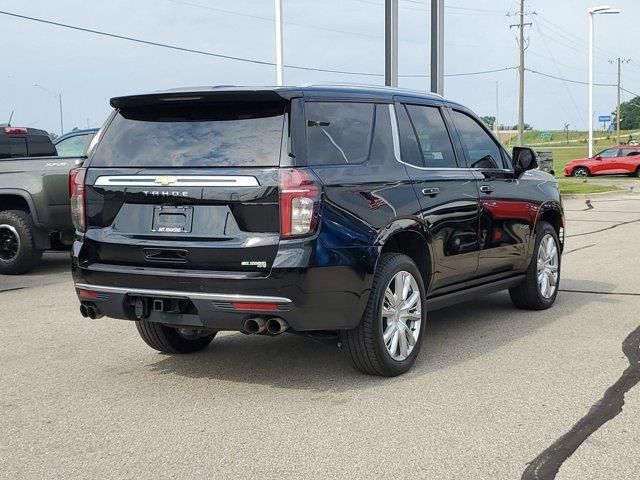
{"x": 10, "y": 117}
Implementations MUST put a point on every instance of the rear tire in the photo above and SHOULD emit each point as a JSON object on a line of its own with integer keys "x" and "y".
{"x": 581, "y": 172}
{"x": 170, "y": 340}
{"x": 529, "y": 294}
{"x": 637, "y": 174}
{"x": 18, "y": 253}
{"x": 370, "y": 353}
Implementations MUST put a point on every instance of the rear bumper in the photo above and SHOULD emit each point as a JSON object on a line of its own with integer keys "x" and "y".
{"x": 309, "y": 299}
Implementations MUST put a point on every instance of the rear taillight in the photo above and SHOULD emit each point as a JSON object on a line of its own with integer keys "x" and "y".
{"x": 76, "y": 197}
{"x": 300, "y": 195}
{"x": 15, "y": 130}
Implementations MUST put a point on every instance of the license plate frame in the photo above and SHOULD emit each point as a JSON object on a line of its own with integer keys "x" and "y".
{"x": 172, "y": 220}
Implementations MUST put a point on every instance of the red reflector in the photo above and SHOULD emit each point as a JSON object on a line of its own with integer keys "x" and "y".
{"x": 87, "y": 294}
{"x": 15, "y": 130}
{"x": 255, "y": 306}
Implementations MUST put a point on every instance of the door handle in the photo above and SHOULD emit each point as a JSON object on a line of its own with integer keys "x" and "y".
{"x": 486, "y": 188}
{"x": 430, "y": 192}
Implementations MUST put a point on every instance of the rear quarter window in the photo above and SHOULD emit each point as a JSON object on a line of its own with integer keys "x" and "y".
{"x": 339, "y": 133}
{"x": 194, "y": 135}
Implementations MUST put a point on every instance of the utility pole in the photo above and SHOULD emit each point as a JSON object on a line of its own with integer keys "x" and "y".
{"x": 61, "y": 124}
{"x": 620, "y": 62}
{"x": 522, "y": 47}
{"x": 497, "y": 125}
{"x": 437, "y": 46}
{"x": 391, "y": 43}
{"x": 279, "y": 48}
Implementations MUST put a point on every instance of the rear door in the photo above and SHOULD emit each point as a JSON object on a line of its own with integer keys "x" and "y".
{"x": 507, "y": 217}
{"x": 446, "y": 190}
{"x": 188, "y": 185}
{"x": 629, "y": 160}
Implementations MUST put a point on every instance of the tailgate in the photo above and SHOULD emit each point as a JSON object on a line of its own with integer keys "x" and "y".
{"x": 187, "y": 186}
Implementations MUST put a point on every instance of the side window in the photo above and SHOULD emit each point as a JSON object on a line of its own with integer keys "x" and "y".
{"x": 72, "y": 146}
{"x": 610, "y": 153}
{"x": 409, "y": 148}
{"x": 433, "y": 137}
{"x": 339, "y": 133}
{"x": 481, "y": 150}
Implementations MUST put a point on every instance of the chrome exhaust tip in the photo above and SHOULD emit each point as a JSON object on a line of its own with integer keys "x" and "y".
{"x": 255, "y": 325}
{"x": 276, "y": 325}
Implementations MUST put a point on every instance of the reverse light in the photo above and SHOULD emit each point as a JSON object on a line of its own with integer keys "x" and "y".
{"x": 300, "y": 196}
{"x": 77, "y": 197}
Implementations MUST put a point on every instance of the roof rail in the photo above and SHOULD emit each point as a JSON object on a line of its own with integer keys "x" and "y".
{"x": 369, "y": 85}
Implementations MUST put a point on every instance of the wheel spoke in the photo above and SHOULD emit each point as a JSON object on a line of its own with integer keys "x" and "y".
{"x": 410, "y": 302}
{"x": 406, "y": 331}
{"x": 390, "y": 330}
{"x": 393, "y": 343}
{"x": 406, "y": 286}
{"x": 402, "y": 342}
{"x": 398, "y": 285}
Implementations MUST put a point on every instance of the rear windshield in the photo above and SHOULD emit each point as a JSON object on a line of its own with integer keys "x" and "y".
{"x": 194, "y": 135}
{"x": 26, "y": 146}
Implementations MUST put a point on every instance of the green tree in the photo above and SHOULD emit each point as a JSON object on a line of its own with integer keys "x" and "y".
{"x": 489, "y": 121}
{"x": 629, "y": 114}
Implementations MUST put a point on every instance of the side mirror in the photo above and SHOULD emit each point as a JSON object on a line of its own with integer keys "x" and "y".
{"x": 524, "y": 159}
{"x": 597, "y": 157}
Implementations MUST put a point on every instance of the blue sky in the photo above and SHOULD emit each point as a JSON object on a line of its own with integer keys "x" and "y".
{"x": 333, "y": 34}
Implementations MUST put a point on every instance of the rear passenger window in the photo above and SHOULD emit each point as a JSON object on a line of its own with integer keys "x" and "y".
{"x": 339, "y": 133}
{"x": 409, "y": 148}
{"x": 481, "y": 150}
{"x": 433, "y": 137}
{"x": 17, "y": 147}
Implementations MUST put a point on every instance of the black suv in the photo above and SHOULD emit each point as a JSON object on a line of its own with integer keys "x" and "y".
{"x": 317, "y": 210}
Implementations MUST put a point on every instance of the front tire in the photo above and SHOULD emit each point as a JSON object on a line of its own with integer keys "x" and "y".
{"x": 173, "y": 340}
{"x": 388, "y": 339}
{"x": 18, "y": 252}
{"x": 581, "y": 172}
{"x": 540, "y": 288}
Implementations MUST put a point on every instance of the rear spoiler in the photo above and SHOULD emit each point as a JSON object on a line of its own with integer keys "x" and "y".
{"x": 213, "y": 95}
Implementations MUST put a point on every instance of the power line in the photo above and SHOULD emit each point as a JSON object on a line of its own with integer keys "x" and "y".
{"x": 630, "y": 92}
{"x": 568, "y": 79}
{"x": 231, "y": 57}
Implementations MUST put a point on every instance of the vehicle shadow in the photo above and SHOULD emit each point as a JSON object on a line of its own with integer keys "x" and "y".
{"x": 454, "y": 335}
{"x": 54, "y": 268}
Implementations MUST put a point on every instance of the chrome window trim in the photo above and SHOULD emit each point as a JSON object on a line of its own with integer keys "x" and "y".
{"x": 177, "y": 181}
{"x": 215, "y": 297}
{"x": 395, "y": 132}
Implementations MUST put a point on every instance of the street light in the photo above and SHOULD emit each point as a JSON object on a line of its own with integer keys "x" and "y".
{"x": 602, "y": 10}
{"x": 59, "y": 95}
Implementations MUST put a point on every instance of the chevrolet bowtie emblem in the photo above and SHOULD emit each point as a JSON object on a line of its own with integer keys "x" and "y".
{"x": 164, "y": 180}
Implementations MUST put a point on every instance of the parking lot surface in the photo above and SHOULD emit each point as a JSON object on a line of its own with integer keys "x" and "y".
{"x": 493, "y": 390}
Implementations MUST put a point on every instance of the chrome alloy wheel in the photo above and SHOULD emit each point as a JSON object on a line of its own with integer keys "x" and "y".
{"x": 548, "y": 263}
{"x": 401, "y": 315}
{"x": 9, "y": 243}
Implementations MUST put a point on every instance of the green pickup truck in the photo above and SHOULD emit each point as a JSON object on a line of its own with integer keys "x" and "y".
{"x": 34, "y": 197}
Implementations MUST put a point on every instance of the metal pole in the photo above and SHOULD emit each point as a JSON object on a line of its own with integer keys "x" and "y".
{"x": 618, "y": 107}
{"x": 61, "y": 124}
{"x": 279, "y": 44}
{"x": 497, "y": 109}
{"x": 521, "y": 72}
{"x": 437, "y": 46}
{"x": 590, "y": 119}
{"x": 391, "y": 43}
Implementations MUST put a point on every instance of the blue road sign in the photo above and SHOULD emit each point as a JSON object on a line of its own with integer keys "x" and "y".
{"x": 604, "y": 118}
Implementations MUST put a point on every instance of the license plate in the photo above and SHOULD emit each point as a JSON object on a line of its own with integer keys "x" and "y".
{"x": 172, "y": 219}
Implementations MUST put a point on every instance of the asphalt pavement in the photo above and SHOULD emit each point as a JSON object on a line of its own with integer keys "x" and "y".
{"x": 497, "y": 393}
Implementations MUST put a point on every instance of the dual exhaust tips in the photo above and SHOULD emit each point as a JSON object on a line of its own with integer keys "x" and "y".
{"x": 274, "y": 326}
{"x": 90, "y": 311}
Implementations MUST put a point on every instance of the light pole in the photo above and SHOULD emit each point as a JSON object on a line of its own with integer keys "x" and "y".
{"x": 279, "y": 47}
{"x": 59, "y": 95}
{"x": 603, "y": 10}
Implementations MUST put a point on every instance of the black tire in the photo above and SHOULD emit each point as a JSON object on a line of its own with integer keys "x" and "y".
{"x": 169, "y": 340}
{"x": 581, "y": 172}
{"x": 637, "y": 174}
{"x": 20, "y": 255}
{"x": 365, "y": 342}
{"x": 527, "y": 295}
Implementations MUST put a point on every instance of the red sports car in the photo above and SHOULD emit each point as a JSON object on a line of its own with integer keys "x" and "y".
{"x": 612, "y": 161}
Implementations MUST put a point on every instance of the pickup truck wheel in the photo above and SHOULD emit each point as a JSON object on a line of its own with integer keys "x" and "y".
{"x": 173, "y": 340}
{"x": 539, "y": 289}
{"x": 388, "y": 339}
{"x": 18, "y": 253}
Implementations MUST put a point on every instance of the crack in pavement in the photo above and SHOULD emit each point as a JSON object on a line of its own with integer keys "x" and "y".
{"x": 578, "y": 249}
{"x": 603, "y": 229}
{"x": 547, "y": 464}
{"x": 12, "y": 289}
{"x": 594, "y": 292}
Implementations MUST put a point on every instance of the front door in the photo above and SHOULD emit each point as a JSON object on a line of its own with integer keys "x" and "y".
{"x": 506, "y": 218}
{"x": 446, "y": 189}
